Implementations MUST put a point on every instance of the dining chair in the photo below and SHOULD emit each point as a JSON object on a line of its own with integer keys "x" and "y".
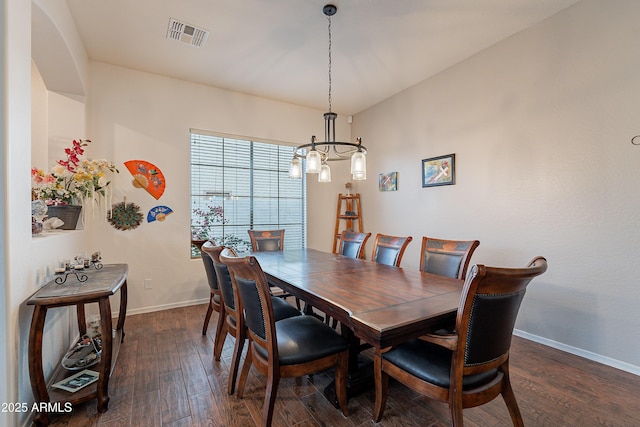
{"x": 266, "y": 241}
{"x": 352, "y": 244}
{"x": 292, "y": 347}
{"x": 389, "y": 250}
{"x": 214, "y": 290}
{"x": 469, "y": 367}
{"x": 447, "y": 257}
{"x": 229, "y": 321}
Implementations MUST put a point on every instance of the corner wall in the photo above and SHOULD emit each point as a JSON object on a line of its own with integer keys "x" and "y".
{"x": 541, "y": 125}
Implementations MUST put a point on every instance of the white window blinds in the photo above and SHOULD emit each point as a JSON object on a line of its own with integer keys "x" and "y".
{"x": 237, "y": 185}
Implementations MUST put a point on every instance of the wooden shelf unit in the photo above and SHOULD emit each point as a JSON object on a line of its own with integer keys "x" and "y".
{"x": 352, "y": 215}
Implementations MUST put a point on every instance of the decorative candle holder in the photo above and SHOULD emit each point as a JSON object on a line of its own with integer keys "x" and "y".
{"x": 81, "y": 277}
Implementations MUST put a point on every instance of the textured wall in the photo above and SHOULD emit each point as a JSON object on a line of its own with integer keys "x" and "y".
{"x": 541, "y": 126}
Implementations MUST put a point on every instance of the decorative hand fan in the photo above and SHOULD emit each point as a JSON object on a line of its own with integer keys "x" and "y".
{"x": 158, "y": 213}
{"x": 147, "y": 175}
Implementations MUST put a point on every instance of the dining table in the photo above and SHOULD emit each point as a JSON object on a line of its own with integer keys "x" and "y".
{"x": 379, "y": 304}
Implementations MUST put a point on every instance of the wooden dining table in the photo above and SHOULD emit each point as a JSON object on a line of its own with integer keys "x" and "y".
{"x": 378, "y": 304}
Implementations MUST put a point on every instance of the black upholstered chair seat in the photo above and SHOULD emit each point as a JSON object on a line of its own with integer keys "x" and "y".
{"x": 432, "y": 363}
{"x": 282, "y": 309}
{"x": 304, "y": 339}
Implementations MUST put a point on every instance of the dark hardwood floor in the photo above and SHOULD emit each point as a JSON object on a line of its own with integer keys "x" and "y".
{"x": 166, "y": 376}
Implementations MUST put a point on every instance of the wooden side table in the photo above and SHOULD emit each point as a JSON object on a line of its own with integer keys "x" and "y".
{"x": 99, "y": 286}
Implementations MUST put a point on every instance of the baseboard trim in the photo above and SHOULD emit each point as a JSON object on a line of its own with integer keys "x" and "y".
{"x": 164, "y": 307}
{"x": 614, "y": 363}
{"x": 623, "y": 366}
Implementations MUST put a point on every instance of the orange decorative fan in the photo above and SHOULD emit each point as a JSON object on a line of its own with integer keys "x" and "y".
{"x": 147, "y": 175}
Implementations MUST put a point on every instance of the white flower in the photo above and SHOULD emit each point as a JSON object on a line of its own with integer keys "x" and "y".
{"x": 58, "y": 170}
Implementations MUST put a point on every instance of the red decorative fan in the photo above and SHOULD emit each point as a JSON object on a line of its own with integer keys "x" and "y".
{"x": 147, "y": 175}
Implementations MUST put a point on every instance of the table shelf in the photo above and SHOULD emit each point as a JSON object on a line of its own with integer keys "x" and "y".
{"x": 101, "y": 285}
{"x": 89, "y": 392}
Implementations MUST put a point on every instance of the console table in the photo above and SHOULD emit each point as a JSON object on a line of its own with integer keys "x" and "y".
{"x": 99, "y": 286}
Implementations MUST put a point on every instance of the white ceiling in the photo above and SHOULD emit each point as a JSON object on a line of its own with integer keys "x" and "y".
{"x": 278, "y": 49}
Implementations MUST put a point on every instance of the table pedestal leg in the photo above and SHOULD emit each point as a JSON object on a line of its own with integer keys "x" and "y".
{"x": 360, "y": 378}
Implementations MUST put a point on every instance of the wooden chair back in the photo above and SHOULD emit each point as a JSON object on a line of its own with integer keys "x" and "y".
{"x": 212, "y": 280}
{"x": 389, "y": 250}
{"x": 471, "y": 366}
{"x": 301, "y": 333}
{"x": 487, "y": 314}
{"x": 266, "y": 240}
{"x": 230, "y": 321}
{"x": 447, "y": 257}
{"x": 253, "y": 297}
{"x": 224, "y": 278}
{"x": 352, "y": 244}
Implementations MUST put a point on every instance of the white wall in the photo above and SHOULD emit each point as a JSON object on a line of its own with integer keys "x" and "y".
{"x": 15, "y": 203}
{"x": 26, "y": 261}
{"x": 541, "y": 126}
{"x": 136, "y": 115}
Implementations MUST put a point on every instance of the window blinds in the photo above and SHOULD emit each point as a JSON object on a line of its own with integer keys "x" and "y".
{"x": 249, "y": 181}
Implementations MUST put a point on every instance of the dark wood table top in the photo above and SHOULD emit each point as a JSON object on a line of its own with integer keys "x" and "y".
{"x": 382, "y": 305}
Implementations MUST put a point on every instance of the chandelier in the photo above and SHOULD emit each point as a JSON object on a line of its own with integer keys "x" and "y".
{"x": 317, "y": 154}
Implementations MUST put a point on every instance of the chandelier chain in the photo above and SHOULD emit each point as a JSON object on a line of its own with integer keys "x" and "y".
{"x": 329, "y": 18}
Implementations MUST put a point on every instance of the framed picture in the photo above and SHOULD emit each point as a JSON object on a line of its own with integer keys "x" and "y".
{"x": 439, "y": 171}
{"x": 388, "y": 181}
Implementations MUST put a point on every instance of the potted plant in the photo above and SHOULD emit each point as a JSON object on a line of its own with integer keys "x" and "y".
{"x": 72, "y": 183}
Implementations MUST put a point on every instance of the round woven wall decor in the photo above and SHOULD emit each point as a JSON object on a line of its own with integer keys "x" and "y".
{"x": 125, "y": 216}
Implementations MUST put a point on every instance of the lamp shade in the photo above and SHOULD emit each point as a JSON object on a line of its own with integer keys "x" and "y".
{"x": 358, "y": 163}
{"x": 295, "y": 168}
{"x": 325, "y": 173}
{"x": 359, "y": 176}
{"x": 314, "y": 161}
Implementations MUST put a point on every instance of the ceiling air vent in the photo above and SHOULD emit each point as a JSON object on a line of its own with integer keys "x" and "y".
{"x": 187, "y": 33}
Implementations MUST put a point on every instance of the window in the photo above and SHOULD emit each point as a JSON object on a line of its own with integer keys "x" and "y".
{"x": 238, "y": 185}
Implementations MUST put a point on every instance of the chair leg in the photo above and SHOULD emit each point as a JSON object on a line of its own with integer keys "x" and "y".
{"x": 235, "y": 362}
{"x": 342, "y": 371}
{"x": 270, "y": 398}
{"x": 248, "y": 360}
{"x": 455, "y": 407}
{"x": 510, "y": 400}
{"x": 221, "y": 335}
{"x": 382, "y": 386}
{"x": 207, "y": 316}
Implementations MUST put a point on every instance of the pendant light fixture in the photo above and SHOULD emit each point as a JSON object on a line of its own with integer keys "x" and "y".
{"x": 317, "y": 154}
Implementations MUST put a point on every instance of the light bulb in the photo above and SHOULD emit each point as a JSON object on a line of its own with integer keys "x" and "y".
{"x": 314, "y": 161}
{"x": 358, "y": 163}
{"x": 359, "y": 176}
{"x": 295, "y": 168}
{"x": 325, "y": 173}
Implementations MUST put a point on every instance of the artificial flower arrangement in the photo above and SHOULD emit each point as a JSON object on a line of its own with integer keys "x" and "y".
{"x": 74, "y": 180}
